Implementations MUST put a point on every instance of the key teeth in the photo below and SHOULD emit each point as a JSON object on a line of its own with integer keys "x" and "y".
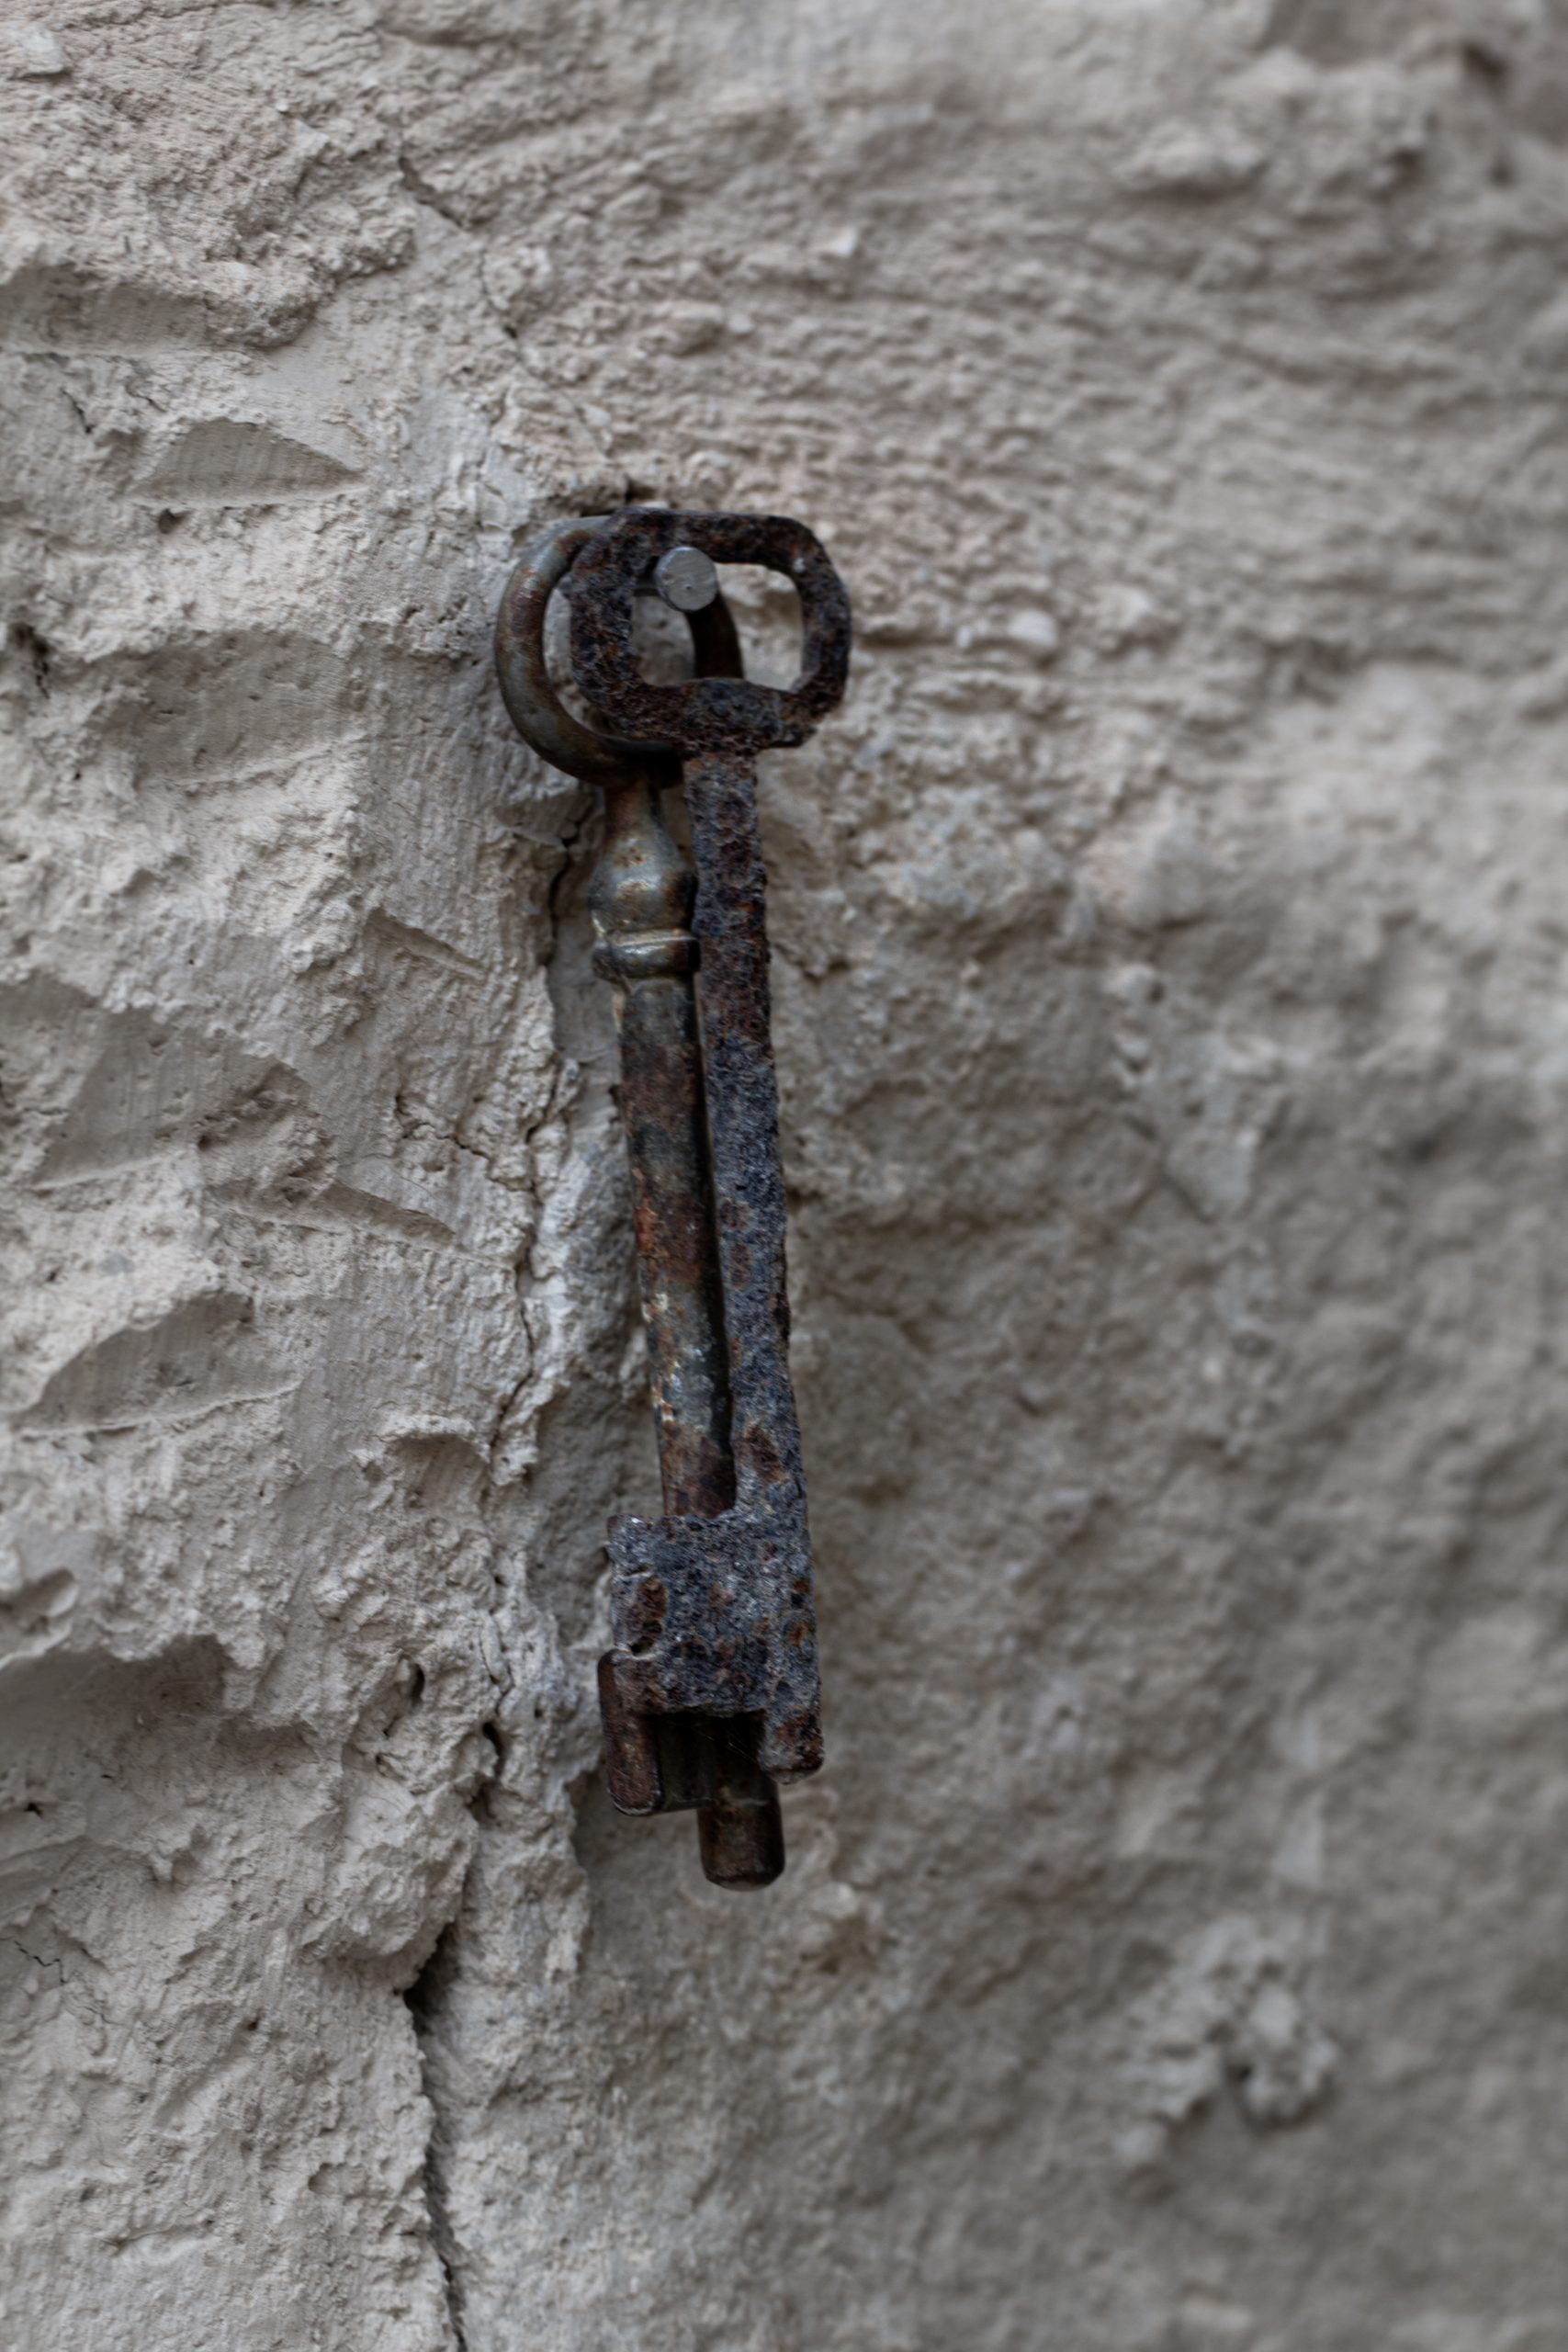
{"x": 632, "y": 1764}
{"x": 714, "y": 1616}
{"x": 742, "y": 1839}
{"x": 792, "y": 1746}
{"x": 657, "y": 1763}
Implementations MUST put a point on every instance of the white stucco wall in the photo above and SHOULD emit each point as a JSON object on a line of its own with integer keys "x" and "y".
{"x": 1169, "y": 961}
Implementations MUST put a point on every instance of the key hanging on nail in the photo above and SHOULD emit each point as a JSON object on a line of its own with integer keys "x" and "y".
{"x": 709, "y": 1694}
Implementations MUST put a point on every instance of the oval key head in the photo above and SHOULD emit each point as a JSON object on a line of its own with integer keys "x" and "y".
{"x": 705, "y": 715}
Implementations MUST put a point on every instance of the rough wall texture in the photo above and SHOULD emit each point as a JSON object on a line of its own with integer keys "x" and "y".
{"x": 1169, "y": 956}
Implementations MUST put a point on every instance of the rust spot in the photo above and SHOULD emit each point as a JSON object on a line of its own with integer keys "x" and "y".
{"x": 644, "y": 1616}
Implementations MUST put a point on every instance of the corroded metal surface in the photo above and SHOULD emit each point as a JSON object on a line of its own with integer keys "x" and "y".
{"x": 710, "y": 1694}
{"x": 715, "y": 714}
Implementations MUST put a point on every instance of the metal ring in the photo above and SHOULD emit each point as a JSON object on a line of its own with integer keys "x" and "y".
{"x": 706, "y": 714}
{"x": 534, "y": 707}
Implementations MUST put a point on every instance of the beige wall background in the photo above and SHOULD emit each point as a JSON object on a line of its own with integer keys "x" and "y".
{"x": 1169, "y": 964}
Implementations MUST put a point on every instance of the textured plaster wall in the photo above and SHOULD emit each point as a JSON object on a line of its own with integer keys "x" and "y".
{"x": 1169, "y": 959}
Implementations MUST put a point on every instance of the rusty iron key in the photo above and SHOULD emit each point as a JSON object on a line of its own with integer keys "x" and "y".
{"x": 709, "y": 1695}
